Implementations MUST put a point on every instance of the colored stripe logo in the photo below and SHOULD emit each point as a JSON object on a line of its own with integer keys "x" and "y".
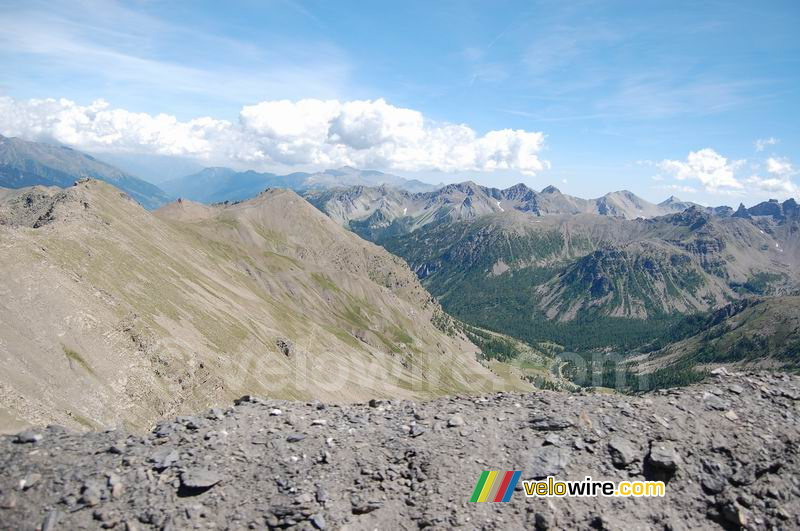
{"x": 495, "y": 486}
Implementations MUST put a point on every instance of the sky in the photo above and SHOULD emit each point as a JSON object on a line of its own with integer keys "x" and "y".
{"x": 694, "y": 99}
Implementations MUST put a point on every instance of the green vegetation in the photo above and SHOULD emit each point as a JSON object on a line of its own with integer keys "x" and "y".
{"x": 324, "y": 281}
{"x": 73, "y": 356}
{"x": 759, "y": 284}
{"x": 455, "y": 261}
{"x": 492, "y": 346}
{"x": 573, "y": 292}
{"x": 615, "y": 373}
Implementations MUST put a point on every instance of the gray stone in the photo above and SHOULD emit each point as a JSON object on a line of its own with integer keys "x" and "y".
{"x": 361, "y": 506}
{"x": 28, "y": 437}
{"x": 455, "y": 421}
{"x": 30, "y": 480}
{"x": 416, "y": 430}
{"x": 546, "y": 461}
{"x": 552, "y": 439}
{"x": 550, "y": 423}
{"x": 318, "y": 521}
{"x": 663, "y": 455}
{"x": 712, "y": 401}
{"x": 50, "y": 522}
{"x": 199, "y": 478}
{"x": 622, "y": 452}
{"x": 164, "y": 458}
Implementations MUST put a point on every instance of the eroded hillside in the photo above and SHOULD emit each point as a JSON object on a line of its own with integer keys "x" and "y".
{"x": 111, "y": 315}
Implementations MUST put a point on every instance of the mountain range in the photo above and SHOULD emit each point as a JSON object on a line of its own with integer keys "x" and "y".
{"x": 24, "y": 163}
{"x": 215, "y": 185}
{"x": 611, "y": 273}
{"x": 380, "y": 210}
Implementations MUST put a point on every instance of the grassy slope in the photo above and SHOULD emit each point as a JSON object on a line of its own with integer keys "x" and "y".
{"x": 760, "y": 333}
{"x": 182, "y": 311}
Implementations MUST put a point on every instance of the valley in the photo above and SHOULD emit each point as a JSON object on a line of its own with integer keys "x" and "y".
{"x": 587, "y": 281}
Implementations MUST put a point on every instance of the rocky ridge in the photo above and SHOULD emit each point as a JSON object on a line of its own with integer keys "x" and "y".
{"x": 727, "y": 448}
{"x": 114, "y": 316}
{"x": 376, "y": 211}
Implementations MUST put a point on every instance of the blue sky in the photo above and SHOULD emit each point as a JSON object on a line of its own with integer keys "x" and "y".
{"x": 655, "y": 97}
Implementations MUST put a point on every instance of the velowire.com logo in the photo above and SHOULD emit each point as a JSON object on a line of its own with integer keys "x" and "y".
{"x": 495, "y": 486}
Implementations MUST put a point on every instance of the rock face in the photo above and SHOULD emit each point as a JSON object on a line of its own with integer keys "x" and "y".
{"x": 385, "y": 209}
{"x": 398, "y": 464}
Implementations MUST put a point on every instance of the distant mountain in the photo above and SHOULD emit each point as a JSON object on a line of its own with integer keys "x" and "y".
{"x": 775, "y": 210}
{"x": 24, "y": 163}
{"x": 156, "y": 169}
{"x": 373, "y": 211}
{"x": 214, "y": 185}
{"x": 347, "y": 176}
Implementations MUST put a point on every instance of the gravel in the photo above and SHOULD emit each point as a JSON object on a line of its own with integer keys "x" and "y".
{"x": 398, "y": 464}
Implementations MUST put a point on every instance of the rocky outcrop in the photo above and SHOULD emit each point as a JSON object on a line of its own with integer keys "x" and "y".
{"x": 727, "y": 450}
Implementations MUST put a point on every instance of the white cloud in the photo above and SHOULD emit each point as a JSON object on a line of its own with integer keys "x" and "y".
{"x": 762, "y": 143}
{"x": 677, "y": 188}
{"x": 780, "y": 167}
{"x": 781, "y": 171}
{"x": 773, "y": 184}
{"x": 714, "y": 171}
{"x": 310, "y": 132}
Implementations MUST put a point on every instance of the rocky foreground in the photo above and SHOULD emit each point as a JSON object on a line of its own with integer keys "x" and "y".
{"x": 728, "y": 448}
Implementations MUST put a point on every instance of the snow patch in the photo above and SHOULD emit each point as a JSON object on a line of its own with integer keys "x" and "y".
{"x": 501, "y": 208}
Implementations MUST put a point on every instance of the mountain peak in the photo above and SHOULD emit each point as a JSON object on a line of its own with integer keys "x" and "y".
{"x": 519, "y": 187}
{"x": 464, "y": 186}
{"x": 671, "y": 200}
{"x": 623, "y": 193}
{"x": 551, "y": 190}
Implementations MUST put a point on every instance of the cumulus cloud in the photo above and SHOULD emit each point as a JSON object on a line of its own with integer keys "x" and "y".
{"x": 762, "y": 143}
{"x": 715, "y": 172}
{"x": 780, "y": 167}
{"x": 779, "y": 181}
{"x": 309, "y": 132}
